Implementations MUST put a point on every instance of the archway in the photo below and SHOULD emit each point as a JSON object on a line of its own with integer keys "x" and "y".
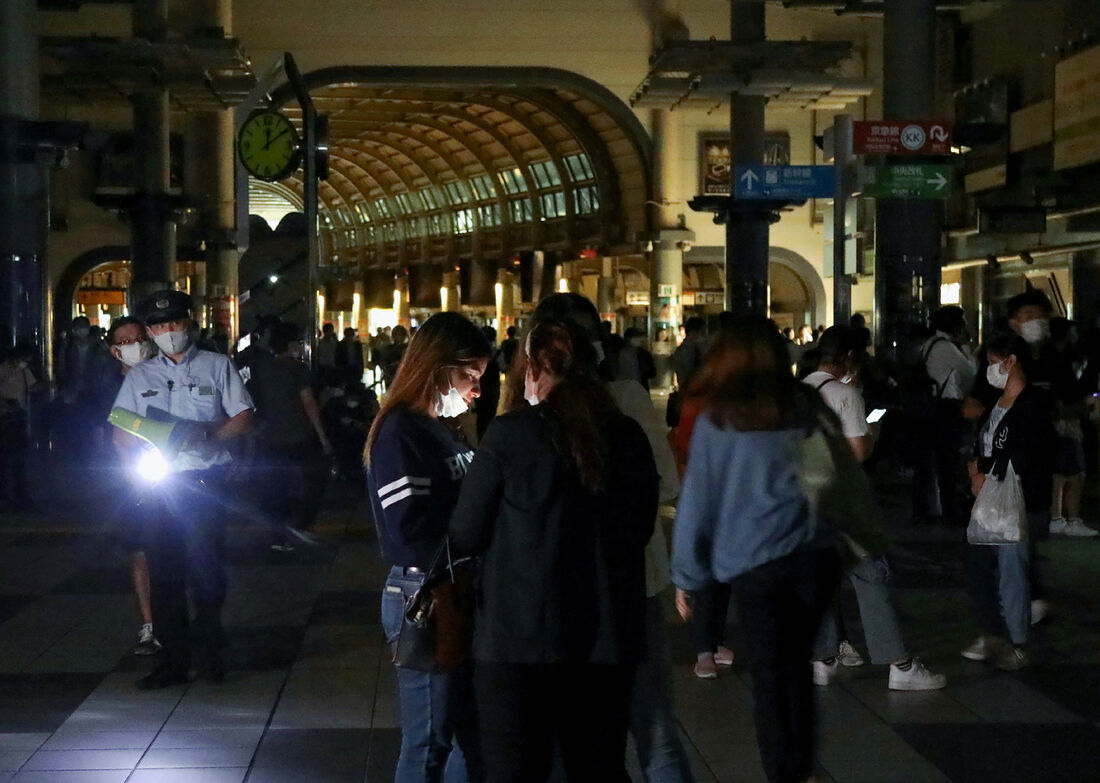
{"x": 797, "y": 290}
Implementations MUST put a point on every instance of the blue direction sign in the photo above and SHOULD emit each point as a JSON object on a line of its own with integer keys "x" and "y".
{"x": 784, "y": 182}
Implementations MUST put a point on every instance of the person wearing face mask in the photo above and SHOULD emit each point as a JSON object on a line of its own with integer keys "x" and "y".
{"x": 130, "y": 346}
{"x": 204, "y": 391}
{"x": 1017, "y": 429}
{"x": 415, "y": 465}
{"x": 837, "y": 368}
{"x": 559, "y": 502}
{"x": 292, "y": 445}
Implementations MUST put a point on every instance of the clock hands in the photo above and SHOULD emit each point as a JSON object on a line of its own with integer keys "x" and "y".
{"x": 271, "y": 139}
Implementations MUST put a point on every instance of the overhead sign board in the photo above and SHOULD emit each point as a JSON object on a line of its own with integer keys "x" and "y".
{"x": 920, "y": 180}
{"x": 888, "y": 137}
{"x": 795, "y": 183}
{"x": 1077, "y": 109}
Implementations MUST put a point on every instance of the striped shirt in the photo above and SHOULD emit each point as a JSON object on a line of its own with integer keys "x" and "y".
{"x": 417, "y": 464}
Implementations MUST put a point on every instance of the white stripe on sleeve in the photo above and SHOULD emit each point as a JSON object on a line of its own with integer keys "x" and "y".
{"x": 389, "y": 501}
{"x": 415, "y": 481}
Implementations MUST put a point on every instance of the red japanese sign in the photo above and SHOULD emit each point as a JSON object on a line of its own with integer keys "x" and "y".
{"x": 889, "y": 137}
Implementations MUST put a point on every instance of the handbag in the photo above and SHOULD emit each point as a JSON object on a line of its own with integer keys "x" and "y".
{"x": 999, "y": 515}
{"x": 837, "y": 488}
{"x": 438, "y": 622}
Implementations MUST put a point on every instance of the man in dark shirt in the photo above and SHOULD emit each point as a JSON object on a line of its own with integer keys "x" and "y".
{"x": 292, "y": 443}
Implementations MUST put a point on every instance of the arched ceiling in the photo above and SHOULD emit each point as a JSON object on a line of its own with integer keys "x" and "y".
{"x": 438, "y": 164}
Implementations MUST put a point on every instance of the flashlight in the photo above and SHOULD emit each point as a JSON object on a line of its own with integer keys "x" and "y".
{"x": 152, "y": 466}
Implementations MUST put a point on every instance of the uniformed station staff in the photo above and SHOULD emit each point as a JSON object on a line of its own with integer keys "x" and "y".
{"x": 187, "y": 515}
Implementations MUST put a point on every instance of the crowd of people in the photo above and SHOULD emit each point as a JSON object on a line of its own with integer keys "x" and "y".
{"x": 553, "y": 488}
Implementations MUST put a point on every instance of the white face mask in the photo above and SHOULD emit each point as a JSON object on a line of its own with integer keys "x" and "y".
{"x": 173, "y": 343}
{"x": 135, "y": 353}
{"x": 996, "y": 377}
{"x": 530, "y": 392}
{"x": 451, "y": 404}
{"x": 1035, "y": 330}
{"x": 353, "y": 403}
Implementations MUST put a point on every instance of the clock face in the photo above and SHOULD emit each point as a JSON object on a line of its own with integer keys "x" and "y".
{"x": 268, "y": 145}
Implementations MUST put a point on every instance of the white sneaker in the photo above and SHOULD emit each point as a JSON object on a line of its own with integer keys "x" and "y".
{"x": 1058, "y": 526}
{"x": 981, "y": 649}
{"x": 723, "y": 656}
{"x": 825, "y": 673}
{"x": 1040, "y": 610}
{"x": 848, "y": 655}
{"x": 917, "y": 678}
{"x": 1011, "y": 659}
{"x": 1077, "y": 529}
{"x": 147, "y": 642}
{"x": 705, "y": 668}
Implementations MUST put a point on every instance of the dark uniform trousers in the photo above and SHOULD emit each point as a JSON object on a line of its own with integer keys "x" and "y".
{"x": 187, "y": 555}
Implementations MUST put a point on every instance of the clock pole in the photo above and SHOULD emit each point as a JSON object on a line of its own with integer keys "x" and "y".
{"x": 313, "y": 147}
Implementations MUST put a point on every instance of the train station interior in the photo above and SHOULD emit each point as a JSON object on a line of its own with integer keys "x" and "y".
{"x": 667, "y": 159}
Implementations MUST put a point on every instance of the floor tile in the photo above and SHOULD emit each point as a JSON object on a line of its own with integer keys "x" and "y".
{"x": 209, "y": 738}
{"x": 325, "y": 699}
{"x": 83, "y": 759}
{"x": 316, "y": 751}
{"x": 263, "y": 648}
{"x": 72, "y": 776}
{"x": 244, "y": 700}
{"x": 175, "y": 758}
{"x": 12, "y": 760}
{"x": 210, "y": 775}
{"x": 41, "y": 702}
{"x": 347, "y": 607}
{"x": 22, "y": 740}
{"x": 340, "y": 647}
{"x": 1010, "y": 753}
{"x": 68, "y": 738}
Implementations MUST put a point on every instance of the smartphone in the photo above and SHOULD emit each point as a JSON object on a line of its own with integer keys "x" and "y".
{"x": 244, "y": 342}
{"x": 875, "y": 415}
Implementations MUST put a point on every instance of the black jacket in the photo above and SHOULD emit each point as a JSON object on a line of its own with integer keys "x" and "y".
{"x": 1025, "y": 436}
{"x": 563, "y": 570}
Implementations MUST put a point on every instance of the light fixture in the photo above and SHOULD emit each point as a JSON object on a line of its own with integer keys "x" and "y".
{"x": 273, "y": 279}
{"x": 563, "y": 286}
{"x": 649, "y": 247}
{"x": 443, "y": 298}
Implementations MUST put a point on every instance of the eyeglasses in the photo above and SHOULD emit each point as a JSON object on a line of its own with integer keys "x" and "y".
{"x": 121, "y": 343}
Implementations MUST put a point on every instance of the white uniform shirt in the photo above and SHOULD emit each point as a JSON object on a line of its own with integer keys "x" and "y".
{"x": 204, "y": 386}
{"x": 952, "y": 369}
{"x": 845, "y": 400}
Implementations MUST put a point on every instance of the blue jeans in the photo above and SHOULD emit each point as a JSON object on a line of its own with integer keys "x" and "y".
{"x": 870, "y": 578}
{"x": 437, "y": 710}
{"x": 1001, "y": 590}
{"x": 653, "y": 723}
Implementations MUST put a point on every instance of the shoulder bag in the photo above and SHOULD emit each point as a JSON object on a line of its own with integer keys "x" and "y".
{"x": 437, "y": 626}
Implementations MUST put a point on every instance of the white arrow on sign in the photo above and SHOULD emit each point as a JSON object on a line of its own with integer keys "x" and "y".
{"x": 939, "y": 181}
{"x": 749, "y": 177}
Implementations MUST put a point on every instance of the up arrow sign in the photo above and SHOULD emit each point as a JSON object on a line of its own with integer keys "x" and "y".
{"x": 750, "y": 177}
{"x": 939, "y": 181}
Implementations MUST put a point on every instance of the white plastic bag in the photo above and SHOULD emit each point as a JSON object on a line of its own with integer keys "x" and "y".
{"x": 999, "y": 515}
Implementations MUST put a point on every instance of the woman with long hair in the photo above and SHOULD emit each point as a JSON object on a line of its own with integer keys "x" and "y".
{"x": 559, "y": 502}
{"x": 415, "y": 466}
{"x": 744, "y": 519}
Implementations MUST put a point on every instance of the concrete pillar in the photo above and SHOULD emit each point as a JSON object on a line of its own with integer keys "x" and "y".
{"x": 907, "y": 231}
{"x": 153, "y": 231}
{"x": 401, "y": 300}
{"x": 210, "y": 162}
{"x": 666, "y": 259}
{"x": 747, "y": 235}
{"x": 449, "y": 292}
{"x": 24, "y": 195}
{"x": 605, "y": 290}
{"x": 506, "y": 301}
{"x": 842, "y": 164}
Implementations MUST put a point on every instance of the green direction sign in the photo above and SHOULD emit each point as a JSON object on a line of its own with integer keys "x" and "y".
{"x": 918, "y": 180}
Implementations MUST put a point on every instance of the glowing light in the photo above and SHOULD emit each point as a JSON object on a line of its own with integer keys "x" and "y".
{"x": 950, "y": 293}
{"x": 320, "y": 306}
{"x": 397, "y": 300}
{"x": 443, "y": 298}
{"x": 152, "y": 466}
{"x": 273, "y": 279}
{"x": 563, "y": 286}
{"x": 355, "y": 310}
{"x": 498, "y": 293}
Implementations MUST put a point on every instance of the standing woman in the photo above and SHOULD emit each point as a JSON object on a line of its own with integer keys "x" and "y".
{"x": 1019, "y": 430}
{"x": 415, "y": 467}
{"x": 560, "y": 502}
{"x": 743, "y": 519}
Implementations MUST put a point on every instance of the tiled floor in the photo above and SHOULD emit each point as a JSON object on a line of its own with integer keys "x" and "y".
{"x": 311, "y": 695}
